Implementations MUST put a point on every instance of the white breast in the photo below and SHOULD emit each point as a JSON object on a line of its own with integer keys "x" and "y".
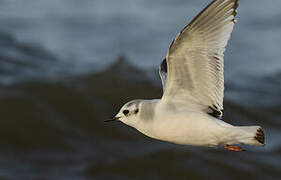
{"x": 188, "y": 128}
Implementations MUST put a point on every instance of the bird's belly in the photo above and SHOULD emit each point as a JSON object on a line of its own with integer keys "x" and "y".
{"x": 196, "y": 129}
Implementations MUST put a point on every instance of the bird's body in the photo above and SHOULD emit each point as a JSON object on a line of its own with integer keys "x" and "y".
{"x": 190, "y": 110}
{"x": 183, "y": 127}
{"x": 164, "y": 122}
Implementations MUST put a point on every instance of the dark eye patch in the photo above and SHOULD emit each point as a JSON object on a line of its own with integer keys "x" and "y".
{"x": 136, "y": 111}
{"x": 125, "y": 112}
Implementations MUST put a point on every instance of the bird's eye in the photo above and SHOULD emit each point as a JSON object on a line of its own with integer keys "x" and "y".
{"x": 136, "y": 111}
{"x": 125, "y": 112}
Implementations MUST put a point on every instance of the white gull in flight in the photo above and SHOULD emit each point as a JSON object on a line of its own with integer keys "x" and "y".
{"x": 190, "y": 110}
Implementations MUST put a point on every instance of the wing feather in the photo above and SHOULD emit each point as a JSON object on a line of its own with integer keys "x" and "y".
{"x": 195, "y": 58}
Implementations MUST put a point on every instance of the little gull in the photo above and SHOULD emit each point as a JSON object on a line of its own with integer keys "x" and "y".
{"x": 191, "y": 108}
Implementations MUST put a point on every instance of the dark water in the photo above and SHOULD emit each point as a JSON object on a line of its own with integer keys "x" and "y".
{"x": 60, "y": 77}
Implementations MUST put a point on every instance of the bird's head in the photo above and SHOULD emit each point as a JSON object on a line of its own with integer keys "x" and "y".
{"x": 129, "y": 113}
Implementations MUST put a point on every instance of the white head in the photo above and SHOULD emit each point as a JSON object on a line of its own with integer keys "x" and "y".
{"x": 129, "y": 113}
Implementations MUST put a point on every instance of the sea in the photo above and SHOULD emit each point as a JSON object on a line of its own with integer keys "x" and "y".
{"x": 68, "y": 65}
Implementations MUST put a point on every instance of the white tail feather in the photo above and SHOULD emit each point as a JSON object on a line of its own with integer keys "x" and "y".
{"x": 249, "y": 135}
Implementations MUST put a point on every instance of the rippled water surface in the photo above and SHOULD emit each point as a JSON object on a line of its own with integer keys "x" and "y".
{"x": 65, "y": 66}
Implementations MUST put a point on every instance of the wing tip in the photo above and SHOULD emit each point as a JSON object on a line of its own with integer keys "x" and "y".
{"x": 234, "y": 13}
{"x": 235, "y": 6}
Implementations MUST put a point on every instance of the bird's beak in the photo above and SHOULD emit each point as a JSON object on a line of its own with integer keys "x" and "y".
{"x": 112, "y": 119}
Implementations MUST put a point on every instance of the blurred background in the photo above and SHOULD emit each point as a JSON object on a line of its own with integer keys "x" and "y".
{"x": 67, "y": 65}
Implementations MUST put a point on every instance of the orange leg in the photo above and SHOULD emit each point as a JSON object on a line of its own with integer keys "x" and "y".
{"x": 233, "y": 148}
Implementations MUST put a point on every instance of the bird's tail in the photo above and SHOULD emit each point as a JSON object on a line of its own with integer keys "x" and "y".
{"x": 250, "y": 135}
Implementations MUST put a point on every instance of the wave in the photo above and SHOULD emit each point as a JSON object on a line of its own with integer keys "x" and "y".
{"x": 51, "y": 112}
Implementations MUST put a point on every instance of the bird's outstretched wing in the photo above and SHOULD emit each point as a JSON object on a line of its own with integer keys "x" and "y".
{"x": 195, "y": 58}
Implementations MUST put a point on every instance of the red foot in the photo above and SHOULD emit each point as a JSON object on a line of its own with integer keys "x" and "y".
{"x": 233, "y": 148}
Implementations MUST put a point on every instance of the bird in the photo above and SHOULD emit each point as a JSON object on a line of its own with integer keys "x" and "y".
{"x": 190, "y": 111}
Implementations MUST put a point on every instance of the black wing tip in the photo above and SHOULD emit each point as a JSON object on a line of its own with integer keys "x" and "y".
{"x": 235, "y": 6}
{"x": 260, "y": 137}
